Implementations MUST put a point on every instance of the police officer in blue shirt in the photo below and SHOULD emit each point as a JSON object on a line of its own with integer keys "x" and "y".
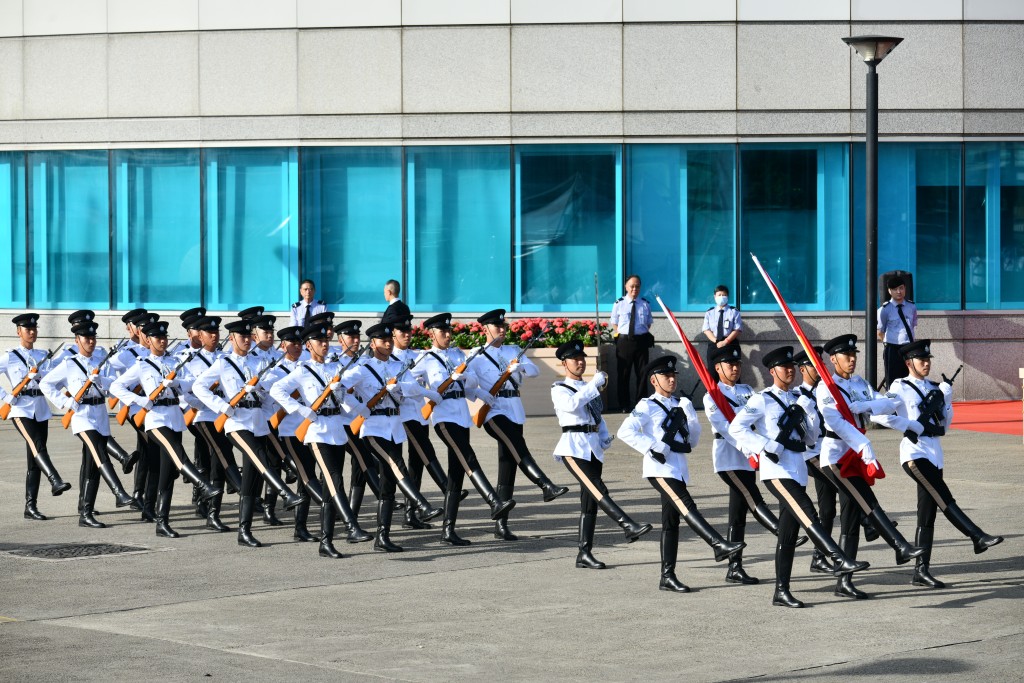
{"x": 722, "y": 324}
{"x": 308, "y": 306}
{"x": 897, "y": 320}
{"x": 632, "y": 319}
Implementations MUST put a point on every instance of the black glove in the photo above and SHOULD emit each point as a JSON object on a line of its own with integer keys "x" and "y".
{"x": 948, "y": 380}
{"x": 658, "y": 456}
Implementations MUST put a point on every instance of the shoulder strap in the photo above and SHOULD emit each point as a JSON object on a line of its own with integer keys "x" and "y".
{"x": 75, "y": 361}
{"x": 775, "y": 398}
{"x": 133, "y": 352}
{"x": 914, "y": 387}
{"x": 660, "y": 405}
{"x": 23, "y": 361}
{"x": 236, "y": 368}
{"x": 563, "y": 384}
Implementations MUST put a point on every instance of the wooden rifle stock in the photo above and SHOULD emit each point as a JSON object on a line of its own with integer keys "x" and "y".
{"x": 66, "y": 420}
{"x": 5, "y": 409}
{"x": 481, "y": 415}
{"x": 122, "y": 414}
{"x": 140, "y": 417}
{"x": 190, "y": 414}
{"x": 275, "y": 419}
{"x": 300, "y": 431}
{"x": 235, "y": 400}
{"x": 428, "y": 409}
{"x": 357, "y": 423}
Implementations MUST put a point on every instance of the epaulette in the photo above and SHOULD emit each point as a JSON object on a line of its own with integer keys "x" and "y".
{"x": 296, "y": 304}
{"x": 887, "y": 303}
{"x": 710, "y": 308}
{"x": 910, "y": 301}
{"x": 321, "y": 302}
{"x": 643, "y": 298}
{"x": 619, "y": 299}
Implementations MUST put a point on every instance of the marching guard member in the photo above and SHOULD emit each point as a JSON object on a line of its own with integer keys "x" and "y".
{"x": 931, "y": 405}
{"x": 263, "y": 350}
{"x": 325, "y": 436}
{"x": 201, "y": 450}
{"x": 163, "y": 421}
{"x": 582, "y": 446}
{"x": 731, "y": 464}
{"x": 90, "y": 422}
{"x": 29, "y": 411}
{"x": 507, "y": 416}
{"x": 450, "y": 417}
{"x": 383, "y": 430}
{"x": 246, "y": 424}
{"x": 784, "y": 423}
{"x": 855, "y": 495}
{"x": 664, "y": 429}
{"x": 191, "y": 342}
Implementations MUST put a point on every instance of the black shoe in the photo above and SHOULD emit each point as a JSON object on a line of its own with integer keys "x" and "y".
{"x": 213, "y": 520}
{"x": 922, "y": 573}
{"x": 32, "y": 512}
{"x": 449, "y": 537}
{"x": 819, "y": 563}
{"x": 551, "y": 492}
{"x": 923, "y": 577}
{"x": 959, "y": 519}
{"x": 327, "y": 549}
{"x": 302, "y": 535}
{"x": 245, "y": 511}
{"x": 164, "y": 529}
{"x": 382, "y": 542}
{"x": 846, "y": 589}
{"x": 128, "y": 465}
{"x": 783, "y": 598}
{"x": 501, "y": 530}
{"x": 672, "y": 584}
{"x": 270, "y": 514}
{"x": 736, "y": 574}
{"x": 86, "y": 519}
{"x": 412, "y": 521}
{"x": 586, "y": 560}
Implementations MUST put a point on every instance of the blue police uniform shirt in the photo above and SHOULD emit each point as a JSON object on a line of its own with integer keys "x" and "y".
{"x": 891, "y": 326}
{"x": 316, "y": 306}
{"x": 731, "y": 320}
{"x": 620, "y": 315}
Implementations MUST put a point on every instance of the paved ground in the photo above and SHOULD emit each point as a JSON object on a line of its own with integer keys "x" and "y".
{"x": 203, "y": 607}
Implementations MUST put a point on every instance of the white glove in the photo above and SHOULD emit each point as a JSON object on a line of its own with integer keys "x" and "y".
{"x": 600, "y": 379}
{"x": 486, "y": 397}
{"x": 456, "y": 376}
{"x": 334, "y": 386}
{"x": 165, "y": 383}
{"x": 395, "y": 389}
{"x": 868, "y": 455}
{"x": 248, "y": 388}
{"x": 432, "y": 395}
{"x": 605, "y": 443}
{"x": 916, "y": 427}
{"x": 661, "y": 447}
{"x": 859, "y": 407}
{"x": 6, "y": 400}
{"x": 73, "y": 405}
{"x": 307, "y": 413}
{"x": 229, "y": 411}
{"x": 32, "y": 374}
{"x": 361, "y": 410}
{"x": 146, "y": 405}
{"x": 774, "y": 447}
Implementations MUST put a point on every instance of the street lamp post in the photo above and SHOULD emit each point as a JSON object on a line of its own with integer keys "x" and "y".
{"x": 872, "y": 49}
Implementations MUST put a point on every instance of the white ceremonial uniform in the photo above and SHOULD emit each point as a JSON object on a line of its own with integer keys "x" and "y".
{"x": 862, "y": 400}
{"x": 409, "y": 410}
{"x": 148, "y": 373}
{"x": 488, "y": 367}
{"x": 291, "y": 421}
{"x": 642, "y": 429}
{"x": 726, "y": 454}
{"x": 269, "y": 355}
{"x": 366, "y": 383}
{"x": 927, "y": 447}
{"x": 815, "y": 450}
{"x": 72, "y": 374}
{"x": 353, "y": 401}
{"x": 579, "y": 406}
{"x": 16, "y": 364}
{"x": 233, "y": 372}
{"x": 763, "y": 413}
{"x": 310, "y": 379}
{"x": 126, "y": 357}
{"x": 435, "y": 369}
{"x": 199, "y": 364}
{"x": 98, "y": 353}
{"x": 299, "y": 308}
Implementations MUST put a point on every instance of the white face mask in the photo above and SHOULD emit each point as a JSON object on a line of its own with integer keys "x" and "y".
{"x": 721, "y": 300}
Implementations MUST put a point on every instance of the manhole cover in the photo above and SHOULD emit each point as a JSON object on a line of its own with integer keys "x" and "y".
{"x": 78, "y": 551}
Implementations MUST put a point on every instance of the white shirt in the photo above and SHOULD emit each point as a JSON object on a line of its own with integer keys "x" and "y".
{"x": 927, "y": 447}
{"x": 433, "y": 372}
{"x": 16, "y": 364}
{"x": 361, "y": 377}
{"x": 621, "y": 311}
{"x": 291, "y": 421}
{"x": 763, "y": 413}
{"x": 224, "y": 372}
{"x": 488, "y": 367}
{"x": 862, "y": 400}
{"x": 726, "y": 454}
{"x": 198, "y": 365}
{"x": 148, "y": 373}
{"x": 69, "y": 375}
{"x": 731, "y": 320}
{"x": 326, "y": 429}
{"x": 579, "y": 407}
{"x": 298, "y": 315}
{"x": 891, "y": 325}
{"x": 813, "y": 451}
{"x": 642, "y": 430}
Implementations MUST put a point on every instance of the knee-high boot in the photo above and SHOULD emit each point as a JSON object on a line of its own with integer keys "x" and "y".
{"x": 92, "y": 487}
{"x": 301, "y": 516}
{"x": 769, "y": 521}
{"x": 632, "y": 530}
{"x": 385, "y": 510}
{"x": 669, "y": 552}
{"x": 585, "y": 557}
{"x": 163, "y": 511}
{"x": 192, "y": 476}
{"x": 423, "y": 511}
{"x": 783, "y": 571}
{"x": 536, "y": 475}
{"x": 121, "y": 497}
{"x": 355, "y": 493}
{"x": 327, "y": 517}
{"x": 501, "y": 530}
{"x": 31, "y": 495}
{"x": 451, "y": 514}
{"x": 274, "y": 480}
{"x": 959, "y": 519}
{"x": 342, "y": 511}
{"x": 887, "y": 530}
{"x": 723, "y": 548}
{"x": 922, "y": 573}
{"x": 213, "y": 520}
{"x": 437, "y": 473}
{"x": 499, "y": 506}
{"x": 736, "y": 573}
{"x": 844, "y": 586}
{"x": 245, "y": 508}
{"x": 115, "y": 451}
{"x": 270, "y": 506}
{"x": 57, "y": 485}
{"x": 841, "y": 564}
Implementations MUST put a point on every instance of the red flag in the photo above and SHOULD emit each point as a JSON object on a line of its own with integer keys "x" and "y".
{"x": 705, "y": 376}
{"x": 850, "y": 463}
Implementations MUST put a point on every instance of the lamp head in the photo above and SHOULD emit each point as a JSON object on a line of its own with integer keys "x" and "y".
{"x": 873, "y": 49}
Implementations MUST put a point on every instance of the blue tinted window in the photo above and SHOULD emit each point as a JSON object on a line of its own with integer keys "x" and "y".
{"x": 795, "y": 219}
{"x": 994, "y": 225}
{"x": 251, "y": 222}
{"x": 351, "y": 223}
{"x": 12, "y": 229}
{"x": 568, "y": 226}
{"x": 69, "y": 229}
{"x": 459, "y": 228}
{"x": 156, "y": 228}
{"x": 681, "y": 221}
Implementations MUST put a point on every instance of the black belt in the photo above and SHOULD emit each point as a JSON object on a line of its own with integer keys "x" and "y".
{"x": 587, "y": 429}
{"x": 30, "y": 392}
{"x": 454, "y": 394}
{"x": 718, "y": 436}
{"x": 163, "y": 402}
{"x": 508, "y": 393}
{"x": 832, "y": 435}
{"x": 329, "y": 412}
{"x": 249, "y": 404}
{"x": 94, "y": 401}
{"x": 386, "y": 412}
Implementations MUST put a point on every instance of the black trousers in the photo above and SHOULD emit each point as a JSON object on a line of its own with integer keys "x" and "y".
{"x": 676, "y": 501}
{"x": 362, "y": 460}
{"x": 592, "y": 487}
{"x": 200, "y": 450}
{"x": 932, "y": 492}
{"x": 512, "y": 449}
{"x": 94, "y": 455}
{"x": 276, "y": 457}
{"x": 302, "y": 457}
{"x": 631, "y": 357}
{"x": 35, "y": 433}
{"x": 254, "y": 460}
{"x": 825, "y": 492}
{"x": 167, "y": 443}
{"x": 895, "y": 367}
{"x": 391, "y": 466}
{"x": 855, "y": 497}
{"x": 219, "y": 446}
{"x": 795, "y": 508}
{"x": 743, "y": 495}
{"x": 421, "y": 451}
{"x": 461, "y": 457}
{"x": 332, "y": 468}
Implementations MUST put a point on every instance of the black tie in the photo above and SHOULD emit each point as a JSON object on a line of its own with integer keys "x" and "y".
{"x": 305, "y": 319}
{"x": 906, "y": 325}
{"x": 632, "y": 319}
{"x": 721, "y": 324}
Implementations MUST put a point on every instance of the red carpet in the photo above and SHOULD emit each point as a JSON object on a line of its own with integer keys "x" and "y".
{"x": 997, "y": 417}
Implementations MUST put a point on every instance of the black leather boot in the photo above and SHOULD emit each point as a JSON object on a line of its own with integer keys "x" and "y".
{"x": 585, "y": 557}
{"x": 723, "y": 548}
{"x": 148, "y": 512}
{"x": 499, "y": 506}
{"x": 121, "y": 497}
{"x": 270, "y": 509}
{"x": 412, "y": 521}
{"x": 314, "y": 491}
{"x": 870, "y": 532}
{"x": 904, "y": 551}
{"x": 418, "y": 505}
{"x": 246, "y": 504}
{"x": 537, "y": 476}
{"x": 115, "y": 451}
{"x": 163, "y": 511}
{"x": 769, "y": 521}
{"x": 959, "y": 519}
{"x": 819, "y": 563}
{"x": 85, "y": 517}
{"x": 632, "y": 530}
{"x": 31, "y": 494}
{"x": 844, "y": 586}
{"x": 327, "y": 517}
{"x": 342, "y": 511}
{"x": 669, "y": 551}
{"x": 57, "y": 485}
{"x": 385, "y": 510}
{"x": 922, "y": 573}
{"x": 783, "y": 570}
{"x": 451, "y": 514}
{"x": 736, "y": 573}
{"x": 355, "y": 495}
{"x": 232, "y": 480}
{"x": 501, "y": 530}
{"x": 301, "y": 516}
{"x": 213, "y": 520}
{"x": 437, "y": 473}
{"x": 841, "y": 564}
{"x": 192, "y": 476}
{"x": 291, "y": 501}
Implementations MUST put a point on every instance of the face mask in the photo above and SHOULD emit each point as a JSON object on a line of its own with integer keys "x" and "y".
{"x": 721, "y": 300}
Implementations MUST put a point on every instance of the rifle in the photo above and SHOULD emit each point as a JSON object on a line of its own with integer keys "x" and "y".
{"x": 300, "y": 431}
{"x": 190, "y": 414}
{"x": 236, "y": 399}
{"x": 122, "y": 414}
{"x": 357, "y": 423}
{"x": 276, "y": 418}
{"x": 140, "y": 417}
{"x": 428, "y": 409}
{"x": 714, "y": 391}
{"x": 849, "y": 464}
{"x": 481, "y": 415}
{"x": 5, "y": 408}
{"x": 66, "y": 420}
{"x": 675, "y": 424}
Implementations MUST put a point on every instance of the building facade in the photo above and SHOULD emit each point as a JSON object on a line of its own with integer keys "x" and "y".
{"x": 502, "y": 152}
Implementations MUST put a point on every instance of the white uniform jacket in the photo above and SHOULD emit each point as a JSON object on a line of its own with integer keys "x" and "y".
{"x": 310, "y": 379}
{"x": 201, "y": 361}
{"x": 148, "y": 373}
{"x": 16, "y": 364}
{"x": 126, "y": 357}
{"x": 927, "y": 447}
{"x": 579, "y": 406}
{"x": 410, "y": 407}
{"x": 71, "y": 374}
{"x": 726, "y": 454}
{"x": 367, "y": 378}
{"x": 290, "y": 422}
{"x": 815, "y": 450}
{"x": 863, "y": 401}
{"x": 231, "y": 372}
{"x": 763, "y": 413}
{"x": 642, "y": 431}
{"x": 435, "y": 369}
{"x": 488, "y": 367}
